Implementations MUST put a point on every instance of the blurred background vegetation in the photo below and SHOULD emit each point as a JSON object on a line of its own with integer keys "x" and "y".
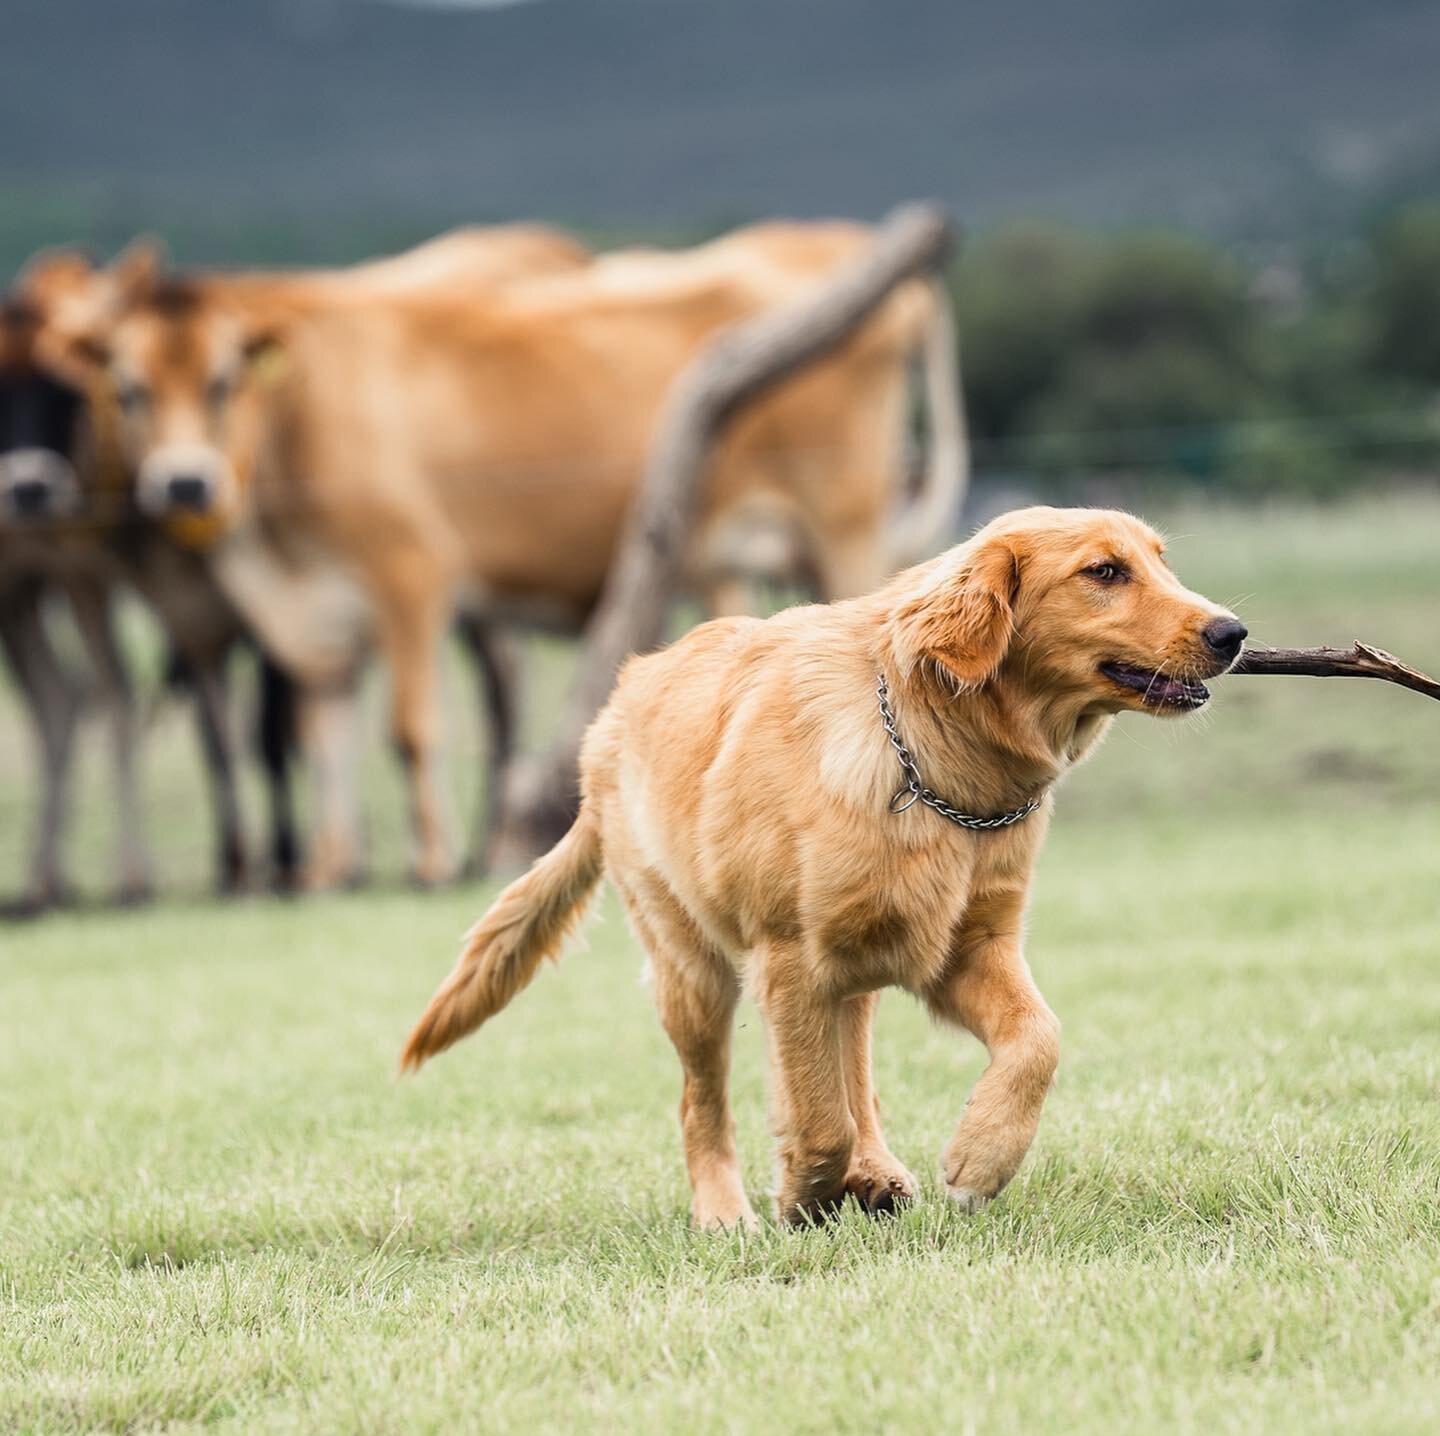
{"x": 1174, "y": 359}
{"x": 1203, "y": 245}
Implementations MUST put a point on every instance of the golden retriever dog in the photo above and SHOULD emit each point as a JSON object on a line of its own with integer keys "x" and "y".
{"x": 850, "y": 797}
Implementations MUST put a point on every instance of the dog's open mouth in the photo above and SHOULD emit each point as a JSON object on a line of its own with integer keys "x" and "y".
{"x": 1157, "y": 690}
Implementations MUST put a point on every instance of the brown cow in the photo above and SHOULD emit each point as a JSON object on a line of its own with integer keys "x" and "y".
{"x": 70, "y": 530}
{"x": 368, "y": 463}
{"x": 50, "y": 548}
{"x": 838, "y": 559}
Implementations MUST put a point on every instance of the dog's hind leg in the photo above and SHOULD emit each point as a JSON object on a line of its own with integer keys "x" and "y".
{"x": 876, "y": 1176}
{"x": 988, "y": 989}
{"x": 696, "y": 991}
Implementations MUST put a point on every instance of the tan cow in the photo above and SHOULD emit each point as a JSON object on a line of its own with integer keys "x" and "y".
{"x": 885, "y": 529}
{"x": 79, "y": 534}
{"x": 369, "y": 462}
{"x": 76, "y": 301}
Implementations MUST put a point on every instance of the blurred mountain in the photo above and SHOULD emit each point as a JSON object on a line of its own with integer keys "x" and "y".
{"x": 1236, "y": 116}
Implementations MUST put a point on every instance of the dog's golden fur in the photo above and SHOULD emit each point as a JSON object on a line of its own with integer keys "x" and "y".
{"x": 737, "y": 790}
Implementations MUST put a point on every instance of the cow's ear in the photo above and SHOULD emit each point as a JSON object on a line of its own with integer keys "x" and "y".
{"x": 79, "y": 356}
{"x": 55, "y": 276}
{"x": 73, "y": 297}
{"x": 136, "y": 270}
{"x": 89, "y": 350}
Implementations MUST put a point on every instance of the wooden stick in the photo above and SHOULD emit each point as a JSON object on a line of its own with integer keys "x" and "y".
{"x": 1360, "y": 660}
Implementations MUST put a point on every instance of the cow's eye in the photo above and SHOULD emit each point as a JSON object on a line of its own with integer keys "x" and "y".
{"x": 1106, "y": 573}
{"x": 131, "y": 397}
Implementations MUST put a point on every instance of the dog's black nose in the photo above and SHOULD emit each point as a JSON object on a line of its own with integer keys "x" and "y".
{"x": 188, "y": 491}
{"x": 1225, "y": 635}
{"x": 30, "y": 497}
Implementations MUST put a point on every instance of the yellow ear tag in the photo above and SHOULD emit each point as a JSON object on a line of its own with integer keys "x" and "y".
{"x": 194, "y": 531}
{"x": 270, "y": 365}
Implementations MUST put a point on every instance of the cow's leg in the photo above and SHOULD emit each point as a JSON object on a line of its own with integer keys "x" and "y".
{"x": 729, "y": 595}
{"x": 53, "y": 707}
{"x": 415, "y": 731}
{"x": 91, "y": 601}
{"x": 328, "y": 720}
{"x": 211, "y": 692}
{"x": 849, "y": 559}
{"x": 495, "y": 669}
{"x": 413, "y": 609}
{"x": 276, "y": 742}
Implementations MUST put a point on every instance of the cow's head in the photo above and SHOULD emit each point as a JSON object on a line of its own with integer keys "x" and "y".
{"x": 40, "y": 417}
{"x": 54, "y": 403}
{"x": 183, "y": 367}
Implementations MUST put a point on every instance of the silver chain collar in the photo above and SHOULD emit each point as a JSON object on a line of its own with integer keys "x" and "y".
{"x": 915, "y": 790}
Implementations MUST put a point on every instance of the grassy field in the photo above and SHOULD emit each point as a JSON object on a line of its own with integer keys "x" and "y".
{"x": 217, "y": 1209}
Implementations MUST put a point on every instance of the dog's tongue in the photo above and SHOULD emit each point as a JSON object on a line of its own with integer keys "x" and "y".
{"x": 1158, "y": 690}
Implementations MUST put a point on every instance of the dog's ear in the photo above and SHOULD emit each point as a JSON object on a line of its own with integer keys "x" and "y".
{"x": 962, "y": 614}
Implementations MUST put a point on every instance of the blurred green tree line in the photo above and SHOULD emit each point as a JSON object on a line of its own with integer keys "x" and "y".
{"x": 1171, "y": 357}
{"x": 1158, "y": 355}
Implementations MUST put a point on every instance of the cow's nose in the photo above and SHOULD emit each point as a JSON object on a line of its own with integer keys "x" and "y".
{"x": 30, "y": 497}
{"x": 188, "y": 491}
{"x": 1225, "y": 635}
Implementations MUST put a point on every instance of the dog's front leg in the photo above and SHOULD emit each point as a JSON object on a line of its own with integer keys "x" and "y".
{"x": 987, "y": 988}
{"x": 810, "y": 1107}
{"x": 876, "y": 1176}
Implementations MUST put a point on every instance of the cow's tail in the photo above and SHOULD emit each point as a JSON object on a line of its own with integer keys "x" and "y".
{"x": 933, "y": 512}
{"x": 527, "y": 923}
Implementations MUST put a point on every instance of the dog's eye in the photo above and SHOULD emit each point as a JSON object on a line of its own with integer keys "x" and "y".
{"x": 1106, "y": 573}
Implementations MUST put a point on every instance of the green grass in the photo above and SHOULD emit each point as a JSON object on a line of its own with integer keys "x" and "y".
{"x": 217, "y": 1209}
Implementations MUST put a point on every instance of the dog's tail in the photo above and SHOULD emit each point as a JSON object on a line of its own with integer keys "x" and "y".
{"x": 528, "y": 922}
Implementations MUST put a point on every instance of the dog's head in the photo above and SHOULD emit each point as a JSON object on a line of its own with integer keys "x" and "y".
{"x": 1075, "y": 609}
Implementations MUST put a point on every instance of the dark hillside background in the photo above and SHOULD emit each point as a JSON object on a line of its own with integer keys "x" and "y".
{"x": 1199, "y": 245}
{"x": 244, "y": 126}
